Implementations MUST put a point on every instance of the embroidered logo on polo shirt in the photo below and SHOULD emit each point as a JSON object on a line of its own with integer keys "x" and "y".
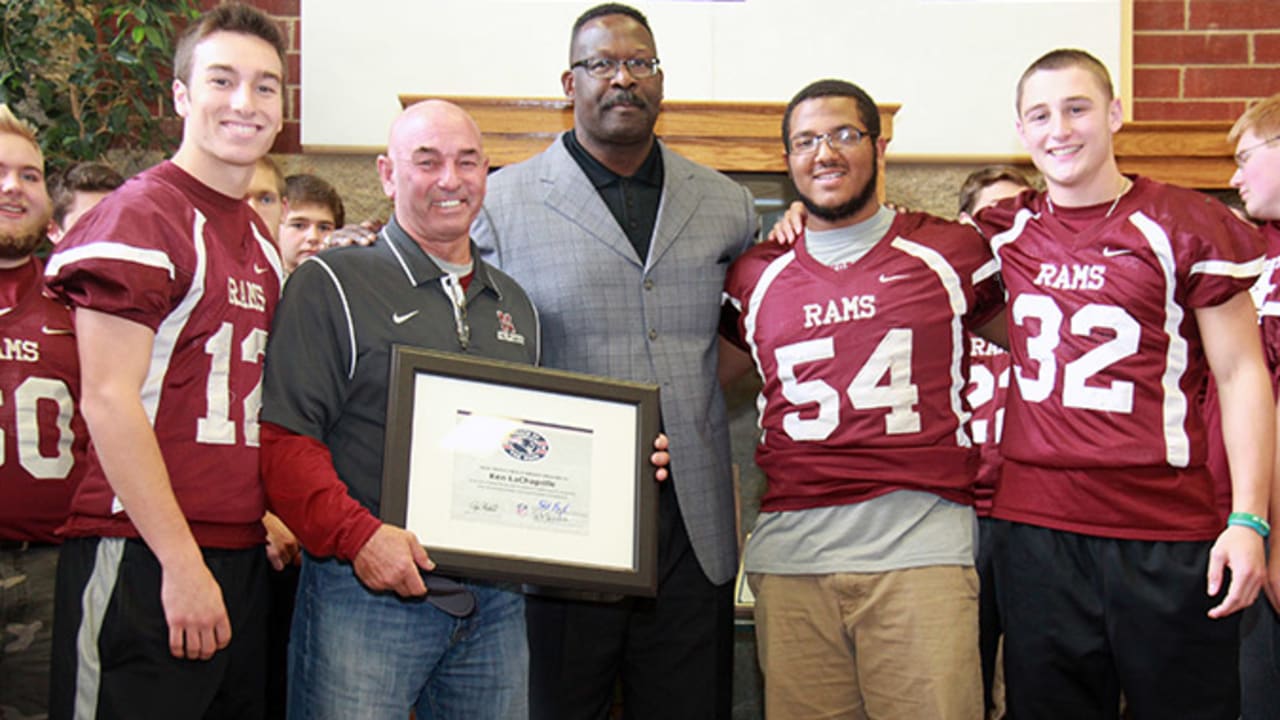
{"x": 507, "y": 329}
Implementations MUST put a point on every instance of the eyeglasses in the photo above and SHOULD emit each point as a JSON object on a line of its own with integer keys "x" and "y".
{"x": 837, "y": 140}
{"x": 1243, "y": 156}
{"x": 640, "y": 68}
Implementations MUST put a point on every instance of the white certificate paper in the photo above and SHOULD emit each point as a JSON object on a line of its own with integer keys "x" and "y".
{"x": 541, "y": 487}
{"x": 522, "y": 474}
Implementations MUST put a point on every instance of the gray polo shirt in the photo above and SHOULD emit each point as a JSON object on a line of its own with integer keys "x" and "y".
{"x": 329, "y": 354}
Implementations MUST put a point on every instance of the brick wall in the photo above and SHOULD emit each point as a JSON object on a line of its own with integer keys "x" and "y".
{"x": 1203, "y": 59}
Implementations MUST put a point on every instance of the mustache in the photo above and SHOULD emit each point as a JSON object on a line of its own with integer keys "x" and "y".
{"x": 624, "y": 97}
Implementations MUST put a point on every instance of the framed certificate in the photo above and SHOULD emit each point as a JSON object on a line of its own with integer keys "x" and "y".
{"x": 511, "y": 472}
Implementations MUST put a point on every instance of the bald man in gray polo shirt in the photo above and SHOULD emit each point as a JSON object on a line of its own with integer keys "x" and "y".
{"x": 362, "y": 636}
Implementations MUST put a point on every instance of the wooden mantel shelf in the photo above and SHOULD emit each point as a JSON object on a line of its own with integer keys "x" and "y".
{"x": 728, "y": 136}
{"x": 745, "y": 137}
{"x": 1192, "y": 154}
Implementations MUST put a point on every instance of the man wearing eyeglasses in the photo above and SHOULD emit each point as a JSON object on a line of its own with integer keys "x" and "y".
{"x": 1256, "y": 136}
{"x": 861, "y": 559}
{"x": 623, "y": 246}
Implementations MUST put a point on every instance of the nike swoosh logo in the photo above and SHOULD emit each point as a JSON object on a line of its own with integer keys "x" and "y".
{"x": 55, "y": 331}
{"x": 399, "y": 319}
{"x": 1115, "y": 252}
{"x": 890, "y": 278}
{"x": 259, "y": 269}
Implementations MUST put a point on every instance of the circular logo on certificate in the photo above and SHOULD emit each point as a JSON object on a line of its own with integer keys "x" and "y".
{"x": 525, "y": 444}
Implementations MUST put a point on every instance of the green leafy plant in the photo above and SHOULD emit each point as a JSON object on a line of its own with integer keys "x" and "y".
{"x": 90, "y": 76}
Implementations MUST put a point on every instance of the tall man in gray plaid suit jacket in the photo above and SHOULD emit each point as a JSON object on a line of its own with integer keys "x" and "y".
{"x": 623, "y": 246}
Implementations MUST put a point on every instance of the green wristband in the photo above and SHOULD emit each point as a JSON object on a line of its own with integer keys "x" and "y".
{"x": 1254, "y": 522}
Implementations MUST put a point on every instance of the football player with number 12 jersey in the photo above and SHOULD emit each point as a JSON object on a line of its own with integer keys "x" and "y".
{"x": 162, "y": 593}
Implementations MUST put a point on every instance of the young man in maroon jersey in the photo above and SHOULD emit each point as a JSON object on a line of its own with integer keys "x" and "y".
{"x": 42, "y": 436}
{"x": 1257, "y": 178}
{"x": 862, "y": 557}
{"x": 161, "y": 594}
{"x": 986, "y": 391}
{"x": 1123, "y": 294}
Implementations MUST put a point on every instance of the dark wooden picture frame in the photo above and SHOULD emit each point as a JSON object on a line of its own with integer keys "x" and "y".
{"x": 478, "y": 377}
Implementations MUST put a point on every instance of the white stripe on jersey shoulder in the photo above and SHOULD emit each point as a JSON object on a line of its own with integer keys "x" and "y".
{"x": 106, "y": 250}
{"x": 731, "y": 300}
{"x": 399, "y": 258}
{"x": 346, "y": 308}
{"x": 273, "y": 257}
{"x": 989, "y": 268}
{"x": 751, "y": 316}
{"x": 1174, "y": 401}
{"x": 940, "y": 266}
{"x": 166, "y": 339}
{"x": 1227, "y": 268}
{"x": 1020, "y": 220}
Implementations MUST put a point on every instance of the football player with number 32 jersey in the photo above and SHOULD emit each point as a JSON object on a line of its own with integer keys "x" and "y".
{"x": 1123, "y": 294}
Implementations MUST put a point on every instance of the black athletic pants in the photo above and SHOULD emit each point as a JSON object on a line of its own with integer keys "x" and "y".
{"x": 111, "y": 642}
{"x": 1088, "y": 617}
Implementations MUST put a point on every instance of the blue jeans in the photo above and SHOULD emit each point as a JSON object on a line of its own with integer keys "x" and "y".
{"x": 357, "y": 654}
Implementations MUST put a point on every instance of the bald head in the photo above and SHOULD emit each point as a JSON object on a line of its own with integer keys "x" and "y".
{"x": 434, "y": 171}
{"x": 413, "y": 120}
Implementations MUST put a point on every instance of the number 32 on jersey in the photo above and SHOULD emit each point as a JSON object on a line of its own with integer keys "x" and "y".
{"x": 1116, "y": 396}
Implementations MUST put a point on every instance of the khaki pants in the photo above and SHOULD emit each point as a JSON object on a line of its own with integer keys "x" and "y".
{"x": 870, "y": 646}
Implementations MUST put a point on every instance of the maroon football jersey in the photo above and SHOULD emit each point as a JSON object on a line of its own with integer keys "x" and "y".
{"x": 863, "y": 366}
{"x": 44, "y": 438}
{"x": 988, "y": 385}
{"x": 196, "y": 267}
{"x": 1103, "y": 432}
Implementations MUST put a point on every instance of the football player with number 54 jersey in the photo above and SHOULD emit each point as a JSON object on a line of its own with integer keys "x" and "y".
{"x": 161, "y": 608}
{"x": 1123, "y": 294}
{"x": 862, "y": 557}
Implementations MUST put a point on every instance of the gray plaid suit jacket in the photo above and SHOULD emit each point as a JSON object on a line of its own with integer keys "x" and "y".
{"x": 606, "y": 311}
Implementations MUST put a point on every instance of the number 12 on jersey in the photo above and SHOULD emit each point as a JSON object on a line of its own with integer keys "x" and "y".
{"x": 216, "y": 427}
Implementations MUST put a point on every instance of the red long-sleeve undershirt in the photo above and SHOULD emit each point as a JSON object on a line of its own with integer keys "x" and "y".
{"x": 306, "y": 493}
